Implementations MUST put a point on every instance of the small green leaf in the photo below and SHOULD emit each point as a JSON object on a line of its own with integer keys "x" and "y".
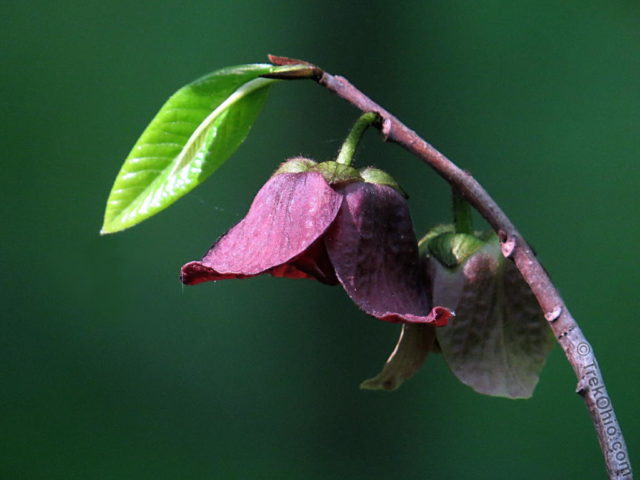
{"x": 194, "y": 132}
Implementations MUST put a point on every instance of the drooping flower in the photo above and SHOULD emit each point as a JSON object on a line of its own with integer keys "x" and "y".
{"x": 334, "y": 224}
{"x": 499, "y": 338}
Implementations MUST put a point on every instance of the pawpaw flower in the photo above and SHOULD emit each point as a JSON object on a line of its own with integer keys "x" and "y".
{"x": 499, "y": 339}
{"x": 337, "y": 225}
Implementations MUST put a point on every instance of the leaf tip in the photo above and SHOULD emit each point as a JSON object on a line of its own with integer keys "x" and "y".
{"x": 108, "y": 229}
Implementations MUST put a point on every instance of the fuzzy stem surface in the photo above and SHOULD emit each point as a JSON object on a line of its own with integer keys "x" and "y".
{"x": 348, "y": 149}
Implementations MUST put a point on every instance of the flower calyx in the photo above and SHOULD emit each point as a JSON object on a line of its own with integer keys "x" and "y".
{"x": 336, "y": 173}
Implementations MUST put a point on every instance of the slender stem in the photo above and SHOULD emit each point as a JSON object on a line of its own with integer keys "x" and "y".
{"x": 462, "y": 219}
{"x": 577, "y": 349}
{"x": 348, "y": 149}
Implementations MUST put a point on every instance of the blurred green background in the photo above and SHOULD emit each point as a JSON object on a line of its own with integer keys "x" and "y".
{"x": 111, "y": 369}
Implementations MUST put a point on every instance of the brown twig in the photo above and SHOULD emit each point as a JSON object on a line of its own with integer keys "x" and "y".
{"x": 578, "y": 350}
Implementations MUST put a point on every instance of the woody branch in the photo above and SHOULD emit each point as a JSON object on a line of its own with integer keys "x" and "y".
{"x": 578, "y": 350}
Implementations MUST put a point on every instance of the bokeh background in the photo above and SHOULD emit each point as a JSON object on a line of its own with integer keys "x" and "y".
{"x": 111, "y": 369}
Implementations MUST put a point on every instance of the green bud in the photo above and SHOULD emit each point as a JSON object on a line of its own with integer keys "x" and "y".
{"x": 423, "y": 243}
{"x": 452, "y": 249}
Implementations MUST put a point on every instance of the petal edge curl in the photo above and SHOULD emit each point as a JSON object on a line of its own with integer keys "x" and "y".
{"x": 288, "y": 215}
{"x": 374, "y": 251}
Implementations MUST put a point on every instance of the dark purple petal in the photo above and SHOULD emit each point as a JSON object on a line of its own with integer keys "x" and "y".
{"x": 312, "y": 263}
{"x": 499, "y": 340}
{"x": 278, "y": 236}
{"x": 374, "y": 252}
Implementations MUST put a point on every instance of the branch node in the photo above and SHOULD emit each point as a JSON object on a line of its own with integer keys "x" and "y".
{"x": 566, "y": 332}
{"x": 386, "y": 128}
{"x": 554, "y": 314}
{"x": 582, "y": 388}
{"x": 299, "y": 69}
{"x": 507, "y": 243}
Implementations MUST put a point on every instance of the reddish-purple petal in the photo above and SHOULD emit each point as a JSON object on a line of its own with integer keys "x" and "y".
{"x": 374, "y": 252}
{"x": 312, "y": 263}
{"x": 278, "y": 235}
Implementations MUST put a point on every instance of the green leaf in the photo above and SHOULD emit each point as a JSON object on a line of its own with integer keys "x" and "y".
{"x": 499, "y": 339}
{"x": 194, "y": 132}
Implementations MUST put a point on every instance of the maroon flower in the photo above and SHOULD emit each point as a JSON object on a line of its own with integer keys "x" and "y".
{"x": 324, "y": 221}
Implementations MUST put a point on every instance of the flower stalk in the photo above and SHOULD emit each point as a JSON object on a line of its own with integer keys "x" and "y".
{"x": 348, "y": 149}
{"x": 462, "y": 219}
